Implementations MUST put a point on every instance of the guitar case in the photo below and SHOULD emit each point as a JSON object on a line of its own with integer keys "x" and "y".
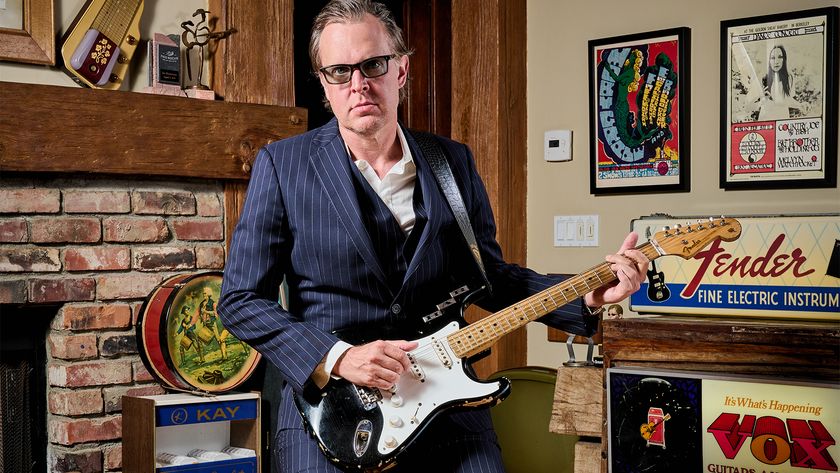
{"x": 182, "y": 341}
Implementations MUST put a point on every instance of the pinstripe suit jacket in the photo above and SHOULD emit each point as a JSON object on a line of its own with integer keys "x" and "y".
{"x": 302, "y": 220}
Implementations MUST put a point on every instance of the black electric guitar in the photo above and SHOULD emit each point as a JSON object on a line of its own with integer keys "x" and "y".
{"x": 99, "y": 44}
{"x": 368, "y": 428}
{"x": 657, "y": 289}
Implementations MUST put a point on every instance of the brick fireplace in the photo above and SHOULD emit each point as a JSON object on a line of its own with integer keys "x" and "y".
{"x": 92, "y": 249}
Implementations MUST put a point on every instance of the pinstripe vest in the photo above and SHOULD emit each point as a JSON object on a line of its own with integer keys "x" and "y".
{"x": 393, "y": 247}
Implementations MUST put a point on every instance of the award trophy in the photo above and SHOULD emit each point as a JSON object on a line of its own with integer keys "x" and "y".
{"x": 197, "y": 35}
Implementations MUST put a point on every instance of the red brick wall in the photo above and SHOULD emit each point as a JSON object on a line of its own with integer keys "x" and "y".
{"x": 97, "y": 248}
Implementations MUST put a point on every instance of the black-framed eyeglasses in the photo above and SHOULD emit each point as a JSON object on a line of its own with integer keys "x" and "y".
{"x": 371, "y": 67}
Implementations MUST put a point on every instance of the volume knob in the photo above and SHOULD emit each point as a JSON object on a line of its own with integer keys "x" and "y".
{"x": 390, "y": 442}
{"x": 396, "y": 400}
{"x": 395, "y": 421}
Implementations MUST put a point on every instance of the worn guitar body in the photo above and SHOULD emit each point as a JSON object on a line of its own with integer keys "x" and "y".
{"x": 369, "y": 429}
{"x": 100, "y": 43}
{"x": 378, "y": 425}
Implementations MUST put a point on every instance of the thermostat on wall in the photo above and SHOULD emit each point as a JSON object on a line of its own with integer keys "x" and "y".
{"x": 558, "y": 145}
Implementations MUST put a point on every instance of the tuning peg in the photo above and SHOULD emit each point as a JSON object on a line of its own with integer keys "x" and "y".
{"x": 700, "y": 225}
{"x": 711, "y": 222}
{"x": 677, "y": 229}
{"x": 666, "y": 229}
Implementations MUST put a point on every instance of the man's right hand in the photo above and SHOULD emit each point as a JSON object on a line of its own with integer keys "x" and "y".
{"x": 377, "y": 364}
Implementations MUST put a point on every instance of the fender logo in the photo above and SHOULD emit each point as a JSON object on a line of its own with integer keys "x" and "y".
{"x": 770, "y": 445}
{"x": 770, "y": 264}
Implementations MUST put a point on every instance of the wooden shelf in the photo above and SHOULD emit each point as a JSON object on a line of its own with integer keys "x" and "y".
{"x": 64, "y": 129}
{"x": 777, "y": 348}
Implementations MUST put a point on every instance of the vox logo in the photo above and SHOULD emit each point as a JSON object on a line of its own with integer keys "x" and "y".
{"x": 773, "y": 441}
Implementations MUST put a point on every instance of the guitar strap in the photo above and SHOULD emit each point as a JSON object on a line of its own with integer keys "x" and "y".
{"x": 434, "y": 153}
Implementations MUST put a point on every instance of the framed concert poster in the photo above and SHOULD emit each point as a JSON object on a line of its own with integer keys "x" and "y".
{"x": 638, "y": 112}
{"x": 779, "y": 100}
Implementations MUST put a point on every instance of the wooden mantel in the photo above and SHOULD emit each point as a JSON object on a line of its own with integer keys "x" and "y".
{"x": 66, "y": 129}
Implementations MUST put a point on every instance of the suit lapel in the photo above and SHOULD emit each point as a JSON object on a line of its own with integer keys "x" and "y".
{"x": 436, "y": 206}
{"x": 334, "y": 175}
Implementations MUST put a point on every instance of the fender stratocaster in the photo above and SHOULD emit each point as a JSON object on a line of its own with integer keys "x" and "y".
{"x": 101, "y": 41}
{"x": 368, "y": 428}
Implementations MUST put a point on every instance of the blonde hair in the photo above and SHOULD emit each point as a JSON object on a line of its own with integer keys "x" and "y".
{"x": 352, "y": 11}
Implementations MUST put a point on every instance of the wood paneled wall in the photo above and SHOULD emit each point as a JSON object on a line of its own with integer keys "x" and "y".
{"x": 253, "y": 65}
{"x": 489, "y": 114}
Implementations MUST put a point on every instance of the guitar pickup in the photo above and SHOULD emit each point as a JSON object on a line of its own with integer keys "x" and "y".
{"x": 440, "y": 351}
{"x": 416, "y": 370}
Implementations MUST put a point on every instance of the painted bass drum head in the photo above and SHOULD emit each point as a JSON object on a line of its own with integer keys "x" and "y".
{"x": 193, "y": 346}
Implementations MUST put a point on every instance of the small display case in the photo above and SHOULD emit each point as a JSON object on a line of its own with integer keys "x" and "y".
{"x": 178, "y": 424}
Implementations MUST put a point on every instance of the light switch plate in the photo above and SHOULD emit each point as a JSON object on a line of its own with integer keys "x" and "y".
{"x": 576, "y": 230}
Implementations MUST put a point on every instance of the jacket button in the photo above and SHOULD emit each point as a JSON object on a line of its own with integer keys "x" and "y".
{"x": 396, "y": 309}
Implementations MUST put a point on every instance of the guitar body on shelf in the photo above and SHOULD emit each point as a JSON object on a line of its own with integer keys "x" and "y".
{"x": 366, "y": 428}
{"x": 99, "y": 45}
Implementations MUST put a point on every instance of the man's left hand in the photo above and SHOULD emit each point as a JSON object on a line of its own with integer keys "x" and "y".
{"x": 630, "y": 266}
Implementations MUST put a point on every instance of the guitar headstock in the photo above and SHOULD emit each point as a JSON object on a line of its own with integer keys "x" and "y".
{"x": 688, "y": 240}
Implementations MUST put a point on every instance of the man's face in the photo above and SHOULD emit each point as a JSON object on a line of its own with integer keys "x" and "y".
{"x": 613, "y": 314}
{"x": 363, "y": 105}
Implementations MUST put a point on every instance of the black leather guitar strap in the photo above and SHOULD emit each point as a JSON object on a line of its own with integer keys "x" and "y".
{"x": 433, "y": 152}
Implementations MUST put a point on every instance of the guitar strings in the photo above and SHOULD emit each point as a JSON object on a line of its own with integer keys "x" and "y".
{"x": 505, "y": 321}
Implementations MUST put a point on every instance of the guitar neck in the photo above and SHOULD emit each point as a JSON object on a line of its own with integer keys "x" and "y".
{"x": 115, "y": 17}
{"x": 479, "y": 336}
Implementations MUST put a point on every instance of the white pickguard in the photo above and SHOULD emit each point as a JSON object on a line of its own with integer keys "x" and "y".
{"x": 413, "y": 400}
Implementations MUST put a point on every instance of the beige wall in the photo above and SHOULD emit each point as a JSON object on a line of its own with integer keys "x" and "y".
{"x": 159, "y": 16}
{"x": 558, "y": 32}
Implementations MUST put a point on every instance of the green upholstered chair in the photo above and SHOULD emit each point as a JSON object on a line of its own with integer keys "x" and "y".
{"x": 521, "y": 423}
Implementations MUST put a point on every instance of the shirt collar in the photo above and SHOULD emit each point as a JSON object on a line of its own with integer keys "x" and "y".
{"x": 398, "y": 168}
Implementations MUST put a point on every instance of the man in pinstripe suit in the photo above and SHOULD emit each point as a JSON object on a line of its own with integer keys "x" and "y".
{"x": 351, "y": 216}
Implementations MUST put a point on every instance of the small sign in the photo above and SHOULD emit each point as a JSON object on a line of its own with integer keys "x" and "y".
{"x": 169, "y": 64}
{"x": 182, "y": 414}
{"x": 165, "y": 61}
